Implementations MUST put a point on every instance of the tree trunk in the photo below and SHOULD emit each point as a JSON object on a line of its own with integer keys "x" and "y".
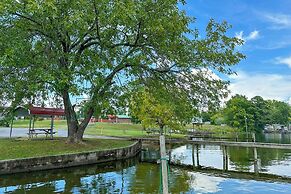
{"x": 75, "y": 132}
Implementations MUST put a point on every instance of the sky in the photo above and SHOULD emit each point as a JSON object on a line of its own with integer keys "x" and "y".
{"x": 265, "y": 26}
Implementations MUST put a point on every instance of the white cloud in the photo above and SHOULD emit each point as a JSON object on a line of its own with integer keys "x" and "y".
{"x": 239, "y": 35}
{"x": 269, "y": 86}
{"x": 273, "y": 45}
{"x": 284, "y": 60}
{"x": 279, "y": 21}
{"x": 201, "y": 183}
{"x": 252, "y": 36}
{"x": 207, "y": 73}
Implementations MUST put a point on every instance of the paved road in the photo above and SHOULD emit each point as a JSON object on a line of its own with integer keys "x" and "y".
{"x": 22, "y": 132}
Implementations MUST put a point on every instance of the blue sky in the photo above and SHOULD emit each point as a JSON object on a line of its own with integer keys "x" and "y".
{"x": 265, "y": 25}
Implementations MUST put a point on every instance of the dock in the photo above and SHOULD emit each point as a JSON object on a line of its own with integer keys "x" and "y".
{"x": 221, "y": 143}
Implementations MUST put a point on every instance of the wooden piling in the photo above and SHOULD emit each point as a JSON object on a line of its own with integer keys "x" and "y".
{"x": 164, "y": 164}
{"x": 193, "y": 155}
{"x": 256, "y": 169}
{"x": 197, "y": 155}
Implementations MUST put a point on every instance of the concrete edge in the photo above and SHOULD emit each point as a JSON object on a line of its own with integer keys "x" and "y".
{"x": 85, "y": 152}
{"x": 68, "y": 160}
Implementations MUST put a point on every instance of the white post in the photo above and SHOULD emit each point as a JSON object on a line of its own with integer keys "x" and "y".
{"x": 164, "y": 164}
{"x": 254, "y": 137}
{"x": 256, "y": 168}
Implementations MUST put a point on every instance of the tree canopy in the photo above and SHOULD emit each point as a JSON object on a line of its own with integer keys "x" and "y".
{"x": 94, "y": 48}
{"x": 161, "y": 107}
{"x": 256, "y": 112}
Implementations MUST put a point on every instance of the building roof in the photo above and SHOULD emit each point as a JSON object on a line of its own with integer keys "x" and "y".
{"x": 22, "y": 111}
{"x": 123, "y": 116}
{"x": 46, "y": 111}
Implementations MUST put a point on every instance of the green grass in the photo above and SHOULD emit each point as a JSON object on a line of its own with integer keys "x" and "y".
{"x": 58, "y": 124}
{"x": 119, "y": 129}
{"x": 13, "y": 149}
{"x": 115, "y": 129}
{"x": 215, "y": 128}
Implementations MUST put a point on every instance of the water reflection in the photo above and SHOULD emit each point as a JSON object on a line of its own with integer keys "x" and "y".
{"x": 134, "y": 176}
{"x": 281, "y": 138}
{"x": 273, "y": 161}
{"x": 201, "y": 183}
{"x": 103, "y": 178}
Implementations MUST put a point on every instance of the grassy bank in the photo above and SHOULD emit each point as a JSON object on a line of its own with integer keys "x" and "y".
{"x": 13, "y": 149}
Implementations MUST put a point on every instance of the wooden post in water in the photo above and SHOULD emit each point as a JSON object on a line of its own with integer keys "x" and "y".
{"x": 256, "y": 169}
{"x": 225, "y": 158}
{"x": 164, "y": 164}
{"x": 197, "y": 156}
{"x": 193, "y": 155}
{"x": 254, "y": 137}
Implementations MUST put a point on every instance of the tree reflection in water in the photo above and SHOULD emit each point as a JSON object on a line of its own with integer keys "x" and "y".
{"x": 132, "y": 176}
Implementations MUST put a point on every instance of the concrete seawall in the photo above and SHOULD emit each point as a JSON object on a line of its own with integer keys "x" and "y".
{"x": 68, "y": 160}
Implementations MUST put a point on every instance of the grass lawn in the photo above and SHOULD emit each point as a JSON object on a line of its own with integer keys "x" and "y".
{"x": 20, "y": 148}
{"x": 115, "y": 129}
{"x": 58, "y": 124}
{"x": 215, "y": 128}
{"x": 119, "y": 129}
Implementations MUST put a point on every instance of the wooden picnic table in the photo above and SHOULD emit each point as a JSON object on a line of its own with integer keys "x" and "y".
{"x": 37, "y": 131}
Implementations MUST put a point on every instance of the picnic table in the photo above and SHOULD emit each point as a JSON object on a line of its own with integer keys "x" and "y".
{"x": 152, "y": 131}
{"x": 46, "y": 131}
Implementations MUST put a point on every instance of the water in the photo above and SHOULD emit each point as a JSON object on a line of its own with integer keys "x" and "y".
{"x": 134, "y": 176}
{"x": 131, "y": 177}
{"x": 281, "y": 138}
{"x": 240, "y": 159}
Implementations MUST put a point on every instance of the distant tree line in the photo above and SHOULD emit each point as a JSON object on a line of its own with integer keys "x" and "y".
{"x": 239, "y": 111}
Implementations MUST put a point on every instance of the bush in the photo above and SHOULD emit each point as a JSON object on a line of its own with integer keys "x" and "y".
{"x": 4, "y": 122}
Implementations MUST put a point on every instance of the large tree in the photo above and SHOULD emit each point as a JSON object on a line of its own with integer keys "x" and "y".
{"x": 239, "y": 112}
{"x": 279, "y": 112}
{"x": 261, "y": 111}
{"x": 88, "y": 47}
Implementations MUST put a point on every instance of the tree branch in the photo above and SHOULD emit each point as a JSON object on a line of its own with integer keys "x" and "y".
{"x": 28, "y": 18}
{"x": 97, "y": 21}
{"x": 100, "y": 91}
{"x": 135, "y": 44}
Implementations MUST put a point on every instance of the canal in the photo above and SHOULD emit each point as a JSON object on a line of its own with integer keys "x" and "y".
{"x": 193, "y": 169}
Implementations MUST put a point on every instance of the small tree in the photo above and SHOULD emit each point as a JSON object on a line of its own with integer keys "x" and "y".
{"x": 159, "y": 110}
